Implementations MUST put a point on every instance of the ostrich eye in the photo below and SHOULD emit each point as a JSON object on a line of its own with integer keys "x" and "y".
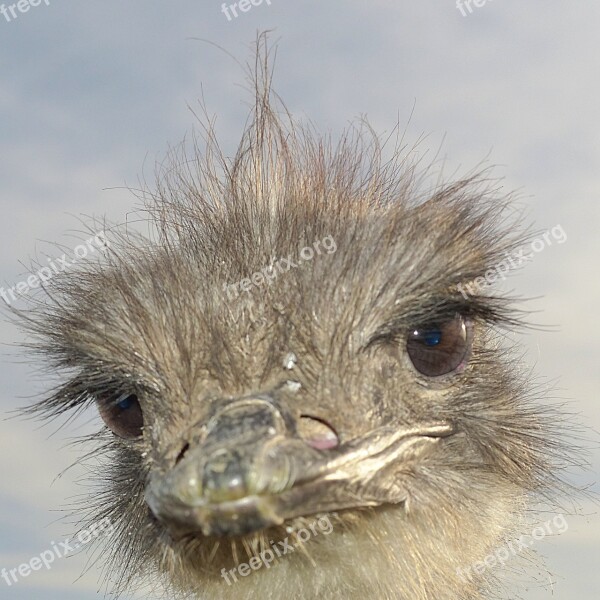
{"x": 122, "y": 415}
{"x": 437, "y": 349}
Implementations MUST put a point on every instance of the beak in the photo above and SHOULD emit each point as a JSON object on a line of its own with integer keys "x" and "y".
{"x": 251, "y": 470}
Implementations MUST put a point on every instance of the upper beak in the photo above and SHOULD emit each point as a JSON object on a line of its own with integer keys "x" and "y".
{"x": 251, "y": 470}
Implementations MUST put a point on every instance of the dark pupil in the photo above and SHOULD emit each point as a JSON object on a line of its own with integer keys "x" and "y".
{"x": 126, "y": 403}
{"x": 431, "y": 338}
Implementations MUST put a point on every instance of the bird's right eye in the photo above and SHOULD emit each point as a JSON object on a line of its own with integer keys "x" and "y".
{"x": 122, "y": 414}
{"x": 437, "y": 349}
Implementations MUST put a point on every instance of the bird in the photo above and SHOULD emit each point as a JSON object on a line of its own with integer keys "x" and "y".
{"x": 295, "y": 395}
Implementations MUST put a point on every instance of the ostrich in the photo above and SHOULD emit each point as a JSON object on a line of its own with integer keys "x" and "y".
{"x": 298, "y": 398}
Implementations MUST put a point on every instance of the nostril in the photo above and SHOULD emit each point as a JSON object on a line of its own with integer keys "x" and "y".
{"x": 182, "y": 453}
{"x": 317, "y": 433}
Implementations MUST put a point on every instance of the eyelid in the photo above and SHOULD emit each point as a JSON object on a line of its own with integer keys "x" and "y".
{"x": 113, "y": 398}
{"x": 397, "y": 329}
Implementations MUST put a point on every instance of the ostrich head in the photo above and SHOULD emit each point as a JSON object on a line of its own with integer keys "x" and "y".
{"x": 291, "y": 375}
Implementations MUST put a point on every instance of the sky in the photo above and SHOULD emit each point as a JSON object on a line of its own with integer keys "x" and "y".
{"x": 93, "y": 93}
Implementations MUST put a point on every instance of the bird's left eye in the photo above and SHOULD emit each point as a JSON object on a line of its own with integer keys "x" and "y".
{"x": 437, "y": 349}
{"x": 122, "y": 414}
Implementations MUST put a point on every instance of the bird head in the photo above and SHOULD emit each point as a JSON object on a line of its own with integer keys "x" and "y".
{"x": 301, "y": 342}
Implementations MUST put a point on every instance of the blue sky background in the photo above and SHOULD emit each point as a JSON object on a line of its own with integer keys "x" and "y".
{"x": 92, "y": 93}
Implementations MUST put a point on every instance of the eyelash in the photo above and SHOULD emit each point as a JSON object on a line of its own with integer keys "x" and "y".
{"x": 395, "y": 332}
